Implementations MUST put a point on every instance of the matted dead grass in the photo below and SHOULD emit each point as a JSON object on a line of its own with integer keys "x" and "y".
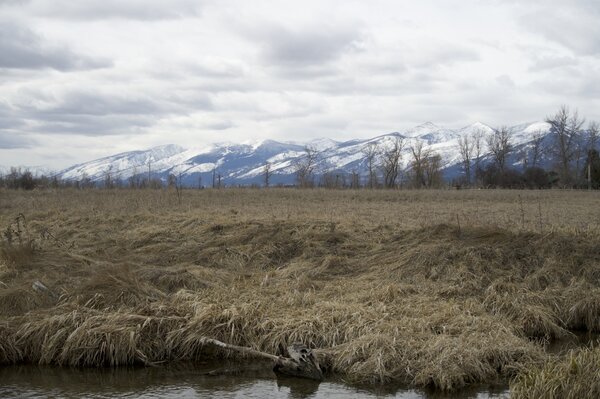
{"x": 575, "y": 376}
{"x": 429, "y": 288}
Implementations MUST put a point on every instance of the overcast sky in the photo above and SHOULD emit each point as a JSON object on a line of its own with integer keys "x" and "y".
{"x": 88, "y": 78}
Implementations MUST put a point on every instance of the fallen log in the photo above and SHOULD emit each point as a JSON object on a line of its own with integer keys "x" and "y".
{"x": 301, "y": 361}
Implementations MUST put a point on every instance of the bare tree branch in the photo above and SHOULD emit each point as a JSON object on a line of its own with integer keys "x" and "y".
{"x": 465, "y": 148}
{"x": 305, "y": 168}
{"x": 500, "y": 146}
{"x": 371, "y": 152}
{"x": 565, "y": 128}
{"x": 390, "y": 162}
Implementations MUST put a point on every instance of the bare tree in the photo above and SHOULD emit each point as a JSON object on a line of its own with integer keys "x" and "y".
{"x": 305, "y": 168}
{"x": 418, "y": 164}
{"x": 267, "y": 173}
{"x": 327, "y": 180}
{"x": 178, "y": 187}
{"x": 171, "y": 180}
{"x": 433, "y": 170}
{"x": 477, "y": 139}
{"x": 371, "y": 151}
{"x": 565, "y": 128}
{"x": 592, "y": 153}
{"x": 500, "y": 146}
{"x": 135, "y": 180}
{"x": 536, "y": 150}
{"x": 592, "y": 137}
{"x": 523, "y": 156}
{"x": 333, "y": 180}
{"x": 85, "y": 182}
{"x": 576, "y": 126}
{"x": 465, "y": 147}
{"x": 108, "y": 177}
{"x": 390, "y": 162}
{"x": 355, "y": 180}
{"x": 118, "y": 180}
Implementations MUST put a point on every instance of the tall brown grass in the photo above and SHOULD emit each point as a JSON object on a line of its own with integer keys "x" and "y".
{"x": 384, "y": 283}
{"x": 576, "y": 376}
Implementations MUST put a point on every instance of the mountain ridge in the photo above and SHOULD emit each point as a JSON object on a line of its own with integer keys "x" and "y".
{"x": 243, "y": 163}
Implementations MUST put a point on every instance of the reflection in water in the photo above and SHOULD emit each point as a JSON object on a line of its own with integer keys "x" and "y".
{"x": 186, "y": 380}
{"x": 299, "y": 388}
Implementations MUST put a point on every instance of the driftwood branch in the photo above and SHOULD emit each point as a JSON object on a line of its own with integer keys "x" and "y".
{"x": 301, "y": 363}
{"x": 241, "y": 349}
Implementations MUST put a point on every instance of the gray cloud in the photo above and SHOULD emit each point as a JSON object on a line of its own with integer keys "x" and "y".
{"x": 8, "y": 119}
{"x": 443, "y": 54}
{"x": 21, "y": 48}
{"x": 317, "y": 45}
{"x": 572, "y": 24}
{"x": 546, "y": 62}
{"x": 305, "y": 72}
{"x": 221, "y": 125}
{"x": 11, "y": 122}
{"x": 82, "y": 112}
{"x": 143, "y": 10}
{"x": 93, "y": 125}
{"x": 405, "y": 82}
{"x": 11, "y": 140}
{"x": 506, "y": 81}
{"x": 77, "y": 103}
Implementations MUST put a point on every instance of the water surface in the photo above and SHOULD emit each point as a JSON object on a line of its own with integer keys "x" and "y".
{"x": 220, "y": 380}
{"x": 195, "y": 381}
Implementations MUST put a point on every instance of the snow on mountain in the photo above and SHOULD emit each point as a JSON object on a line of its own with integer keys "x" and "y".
{"x": 430, "y": 133}
{"x": 124, "y": 164}
{"x": 537, "y": 127}
{"x": 323, "y": 144}
{"x": 526, "y": 131}
{"x": 476, "y": 127}
{"x": 245, "y": 163}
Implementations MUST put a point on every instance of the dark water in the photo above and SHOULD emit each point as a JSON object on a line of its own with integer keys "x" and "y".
{"x": 574, "y": 341}
{"x": 219, "y": 380}
{"x": 192, "y": 381}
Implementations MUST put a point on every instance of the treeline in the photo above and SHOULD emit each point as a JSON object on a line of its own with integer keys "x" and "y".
{"x": 570, "y": 149}
{"x": 19, "y": 178}
{"x": 487, "y": 160}
{"x": 384, "y": 166}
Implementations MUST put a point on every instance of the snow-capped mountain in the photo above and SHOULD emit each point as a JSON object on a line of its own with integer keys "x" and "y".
{"x": 244, "y": 164}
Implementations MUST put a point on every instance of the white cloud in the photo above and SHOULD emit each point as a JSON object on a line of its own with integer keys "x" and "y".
{"x": 81, "y": 79}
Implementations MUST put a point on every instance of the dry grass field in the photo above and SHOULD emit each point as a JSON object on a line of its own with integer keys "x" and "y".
{"x": 428, "y": 288}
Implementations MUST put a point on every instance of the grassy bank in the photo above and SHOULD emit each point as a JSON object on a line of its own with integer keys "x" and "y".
{"x": 575, "y": 376}
{"x": 430, "y": 288}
